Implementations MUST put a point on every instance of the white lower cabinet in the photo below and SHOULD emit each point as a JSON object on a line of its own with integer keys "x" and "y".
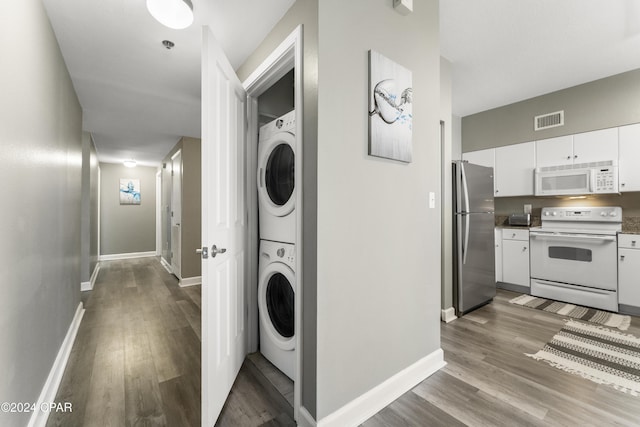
{"x": 498, "y": 240}
{"x": 629, "y": 270}
{"x": 515, "y": 257}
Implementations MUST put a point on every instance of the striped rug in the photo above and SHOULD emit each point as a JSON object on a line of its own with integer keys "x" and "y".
{"x": 593, "y": 315}
{"x": 596, "y": 353}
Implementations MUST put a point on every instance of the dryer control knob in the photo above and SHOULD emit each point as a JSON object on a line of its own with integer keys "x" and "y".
{"x": 280, "y": 252}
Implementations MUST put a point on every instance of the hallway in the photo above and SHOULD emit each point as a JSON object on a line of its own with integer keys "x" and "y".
{"x": 136, "y": 358}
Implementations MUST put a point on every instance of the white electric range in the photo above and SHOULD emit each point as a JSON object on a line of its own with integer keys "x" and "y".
{"x": 574, "y": 256}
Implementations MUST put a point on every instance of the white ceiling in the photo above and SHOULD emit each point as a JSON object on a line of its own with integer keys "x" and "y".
{"x": 139, "y": 98}
{"x": 504, "y": 51}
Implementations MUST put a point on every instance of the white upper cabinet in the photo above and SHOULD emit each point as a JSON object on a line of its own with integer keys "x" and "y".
{"x": 513, "y": 174}
{"x": 481, "y": 157}
{"x": 595, "y": 146}
{"x": 629, "y": 164}
{"x": 554, "y": 151}
{"x": 585, "y": 147}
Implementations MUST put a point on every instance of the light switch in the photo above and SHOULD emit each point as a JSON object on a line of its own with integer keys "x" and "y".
{"x": 432, "y": 200}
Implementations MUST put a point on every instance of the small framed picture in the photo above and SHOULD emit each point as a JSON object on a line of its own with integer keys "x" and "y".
{"x": 129, "y": 191}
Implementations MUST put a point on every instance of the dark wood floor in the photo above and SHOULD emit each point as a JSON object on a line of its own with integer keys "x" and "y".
{"x": 136, "y": 362}
{"x": 488, "y": 381}
{"x": 136, "y": 358}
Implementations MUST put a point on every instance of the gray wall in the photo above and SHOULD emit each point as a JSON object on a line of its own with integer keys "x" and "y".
{"x": 378, "y": 246}
{"x": 191, "y": 264}
{"x": 127, "y": 228}
{"x": 89, "y": 212}
{"x": 303, "y": 12}
{"x": 277, "y": 100}
{"x": 41, "y": 159}
{"x": 601, "y": 104}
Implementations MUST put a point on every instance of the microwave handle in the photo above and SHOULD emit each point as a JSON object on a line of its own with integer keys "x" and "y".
{"x": 592, "y": 180}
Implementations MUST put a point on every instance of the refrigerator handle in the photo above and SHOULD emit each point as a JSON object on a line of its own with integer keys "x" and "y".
{"x": 465, "y": 243}
{"x": 465, "y": 190}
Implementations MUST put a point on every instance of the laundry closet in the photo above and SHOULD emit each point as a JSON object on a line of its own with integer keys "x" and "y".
{"x": 276, "y": 232}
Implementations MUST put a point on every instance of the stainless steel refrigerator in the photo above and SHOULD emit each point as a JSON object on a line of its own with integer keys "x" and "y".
{"x": 474, "y": 276}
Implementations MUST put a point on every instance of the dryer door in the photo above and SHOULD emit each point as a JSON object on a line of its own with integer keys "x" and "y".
{"x": 276, "y": 300}
{"x": 276, "y": 160}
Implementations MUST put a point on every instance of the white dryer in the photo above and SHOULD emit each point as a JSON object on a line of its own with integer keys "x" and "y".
{"x": 276, "y": 183}
{"x": 276, "y": 304}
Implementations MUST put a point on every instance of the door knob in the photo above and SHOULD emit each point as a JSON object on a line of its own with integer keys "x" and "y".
{"x": 215, "y": 251}
{"x": 204, "y": 251}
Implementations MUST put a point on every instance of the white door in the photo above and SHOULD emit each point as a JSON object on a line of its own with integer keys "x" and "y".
{"x": 176, "y": 213}
{"x": 223, "y": 227}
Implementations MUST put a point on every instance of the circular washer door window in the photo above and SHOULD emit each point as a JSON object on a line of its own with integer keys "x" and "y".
{"x": 279, "y": 174}
{"x": 280, "y": 304}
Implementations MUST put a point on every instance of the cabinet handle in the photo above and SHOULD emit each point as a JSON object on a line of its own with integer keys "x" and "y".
{"x": 633, "y": 243}
{"x": 568, "y": 157}
{"x": 513, "y": 235}
{"x": 622, "y": 184}
{"x": 621, "y": 257}
{"x": 575, "y": 157}
{"x": 524, "y": 249}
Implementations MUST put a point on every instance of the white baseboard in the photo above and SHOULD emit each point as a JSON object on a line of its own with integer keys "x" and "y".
{"x": 305, "y": 419}
{"x": 448, "y": 315}
{"x": 367, "y": 405}
{"x": 190, "y": 281}
{"x": 88, "y": 286}
{"x": 166, "y": 265}
{"x": 130, "y": 255}
{"x": 50, "y": 389}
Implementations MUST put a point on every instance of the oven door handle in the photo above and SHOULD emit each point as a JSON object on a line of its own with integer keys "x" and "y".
{"x": 573, "y": 236}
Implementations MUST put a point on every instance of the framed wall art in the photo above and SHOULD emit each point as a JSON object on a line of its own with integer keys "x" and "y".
{"x": 129, "y": 191}
{"x": 390, "y": 109}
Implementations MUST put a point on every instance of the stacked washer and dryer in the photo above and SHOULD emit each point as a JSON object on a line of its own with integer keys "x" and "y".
{"x": 277, "y": 222}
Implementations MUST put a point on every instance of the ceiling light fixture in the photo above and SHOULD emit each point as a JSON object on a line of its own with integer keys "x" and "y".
{"x": 130, "y": 163}
{"x": 176, "y": 14}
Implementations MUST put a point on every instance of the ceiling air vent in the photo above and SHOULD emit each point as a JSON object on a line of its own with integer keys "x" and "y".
{"x": 547, "y": 121}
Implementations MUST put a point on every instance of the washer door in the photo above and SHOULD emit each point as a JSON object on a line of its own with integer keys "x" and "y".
{"x": 276, "y": 302}
{"x": 276, "y": 183}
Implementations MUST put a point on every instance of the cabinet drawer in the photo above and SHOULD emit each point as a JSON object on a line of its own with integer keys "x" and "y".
{"x": 630, "y": 241}
{"x": 514, "y": 234}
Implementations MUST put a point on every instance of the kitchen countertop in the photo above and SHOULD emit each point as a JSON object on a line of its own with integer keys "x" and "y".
{"x": 630, "y": 224}
{"x": 502, "y": 221}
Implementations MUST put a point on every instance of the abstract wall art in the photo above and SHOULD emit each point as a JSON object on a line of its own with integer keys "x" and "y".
{"x": 129, "y": 191}
{"x": 390, "y": 109}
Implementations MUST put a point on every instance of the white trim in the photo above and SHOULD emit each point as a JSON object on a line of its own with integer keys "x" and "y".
{"x": 130, "y": 255}
{"x": 166, "y": 265}
{"x": 158, "y": 212}
{"x": 88, "y": 286}
{"x": 50, "y": 388}
{"x": 448, "y": 315}
{"x": 190, "y": 281}
{"x": 367, "y": 405}
{"x": 305, "y": 419}
{"x": 288, "y": 55}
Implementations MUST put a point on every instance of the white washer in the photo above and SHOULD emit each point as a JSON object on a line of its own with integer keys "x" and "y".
{"x": 276, "y": 183}
{"x": 276, "y": 304}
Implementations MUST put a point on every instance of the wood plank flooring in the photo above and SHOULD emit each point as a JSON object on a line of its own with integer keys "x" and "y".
{"x": 488, "y": 381}
{"x": 136, "y": 358}
{"x": 136, "y": 362}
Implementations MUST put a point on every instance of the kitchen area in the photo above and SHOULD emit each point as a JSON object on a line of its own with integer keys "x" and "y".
{"x": 567, "y": 217}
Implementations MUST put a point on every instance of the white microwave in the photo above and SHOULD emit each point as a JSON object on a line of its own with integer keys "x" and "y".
{"x": 577, "y": 179}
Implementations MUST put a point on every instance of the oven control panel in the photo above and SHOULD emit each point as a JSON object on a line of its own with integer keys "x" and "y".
{"x": 586, "y": 214}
